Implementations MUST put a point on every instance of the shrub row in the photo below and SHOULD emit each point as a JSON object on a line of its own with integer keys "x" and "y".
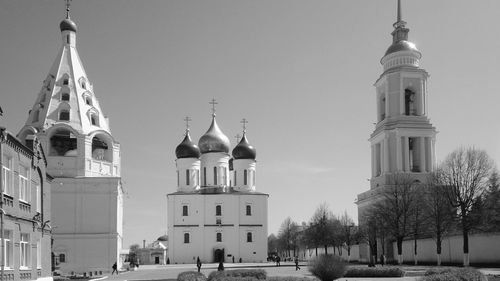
{"x": 453, "y": 274}
{"x": 191, "y": 276}
{"x": 241, "y": 274}
{"x": 327, "y": 267}
{"x": 374, "y": 272}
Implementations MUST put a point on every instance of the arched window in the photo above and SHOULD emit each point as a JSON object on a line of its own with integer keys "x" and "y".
{"x": 65, "y": 97}
{"x": 215, "y": 175}
{"x": 62, "y": 258}
{"x": 249, "y": 237}
{"x": 249, "y": 210}
{"x": 100, "y": 149}
{"x": 187, "y": 177}
{"x": 186, "y": 238}
{"x": 204, "y": 176}
{"x": 64, "y": 115}
{"x": 218, "y": 210}
{"x": 94, "y": 119}
{"x": 88, "y": 101}
{"x": 66, "y": 80}
{"x": 185, "y": 210}
{"x": 235, "y": 177}
{"x": 63, "y": 143}
{"x": 219, "y": 237}
{"x": 245, "y": 177}
{"x": 410, "y": 102}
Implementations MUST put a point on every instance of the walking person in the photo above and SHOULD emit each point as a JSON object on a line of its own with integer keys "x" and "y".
{"x": 198, "y": 264}
{"x": 115, "y": 269}
{"x": 278, "y": 259}
{"x": 221, "y": 266}
{"x": 297, "y": 263}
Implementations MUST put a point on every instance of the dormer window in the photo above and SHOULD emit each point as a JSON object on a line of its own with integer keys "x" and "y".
{"x": 83, "y": 83}
{"x": 64, "y": 115}
{"x": 64, "y": 97}
{"x": 65, "y": 81}
{"x": 88, "y": 101}
{"x": 93, "y": 120}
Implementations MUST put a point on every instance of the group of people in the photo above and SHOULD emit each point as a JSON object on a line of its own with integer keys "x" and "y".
{"x": 295, "y": 259}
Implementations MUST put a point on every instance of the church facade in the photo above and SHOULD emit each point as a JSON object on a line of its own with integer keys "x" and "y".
{"x": 403, "y": 141}
{"x": 83, "y": 157}
{"x": 216, "y": 213}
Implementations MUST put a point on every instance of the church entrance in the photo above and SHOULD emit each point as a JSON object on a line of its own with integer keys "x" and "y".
{"x": 219, "y": 255}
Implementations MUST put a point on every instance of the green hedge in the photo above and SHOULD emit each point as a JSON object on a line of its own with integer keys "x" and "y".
{"x": 453, "y": 274}
{"x": 240, "y": 274}
{"x": 288, "y": 278}
{"x": 327, "y": 267}
{"x": 191, "y": 276}
{"x": 374, "y": 272}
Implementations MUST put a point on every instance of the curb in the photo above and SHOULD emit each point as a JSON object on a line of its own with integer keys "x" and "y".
{"x": 97, "y": 279}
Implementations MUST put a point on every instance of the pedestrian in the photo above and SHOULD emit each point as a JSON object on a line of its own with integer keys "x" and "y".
{"x": 198, "y": 264}
{"x": 221, "y": 266}
{"x": 233, "y": 259}
{"x": 278, "y": 261}
{"x": 382, "y": 260}
{"x": 297, "y": 263}
{"x": 115, "y": 269}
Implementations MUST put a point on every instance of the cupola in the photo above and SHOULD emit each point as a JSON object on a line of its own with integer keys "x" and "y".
{"x": 244, "y": 150}
{"x": 187, "y": 148}
{"x": 67, "y": 24}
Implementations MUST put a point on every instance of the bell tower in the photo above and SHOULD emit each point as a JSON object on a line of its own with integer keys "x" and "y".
{"x": 403, "y": 140}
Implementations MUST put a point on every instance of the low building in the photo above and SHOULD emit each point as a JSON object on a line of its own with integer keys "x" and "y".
{"x": 154, "y": 253}
{"x": 25, "y": 201}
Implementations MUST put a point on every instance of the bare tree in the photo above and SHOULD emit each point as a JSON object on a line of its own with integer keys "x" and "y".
{"x": 419, "y": 219}
{"x": 492, "y": 203}
{"x": 396, "y": 208}
{"x": 272, "y": 243}
{"x": 465, "y": 173}
{"x": 288, "y": 235}
{"x": 348, "y": 232}
{"x": 439, "y": 212}
{"x": 320, "y": 227}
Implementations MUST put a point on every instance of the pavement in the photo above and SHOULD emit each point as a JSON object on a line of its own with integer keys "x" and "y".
{"x": 170, "y": 272}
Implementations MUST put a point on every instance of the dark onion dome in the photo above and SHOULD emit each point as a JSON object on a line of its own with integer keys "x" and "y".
{"x": 162, "y": 238}
{"x": 67, "y": 24}
{"x": 401, "y": 45}
{"x": 214, "y": 140}
{"x": 244, "y": 150}
{"x": 187, "y": 149}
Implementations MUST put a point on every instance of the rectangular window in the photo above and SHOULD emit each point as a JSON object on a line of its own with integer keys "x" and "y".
{"x": 178, "y": 183}
{"x": 219, "y": 237}
{"x": 245, "y": 176}
{"x": 186, "y": 238}
{"x": 204, "y": 176}
{"x": 249, "y": 210}
{"x": 235, "y": 177}
{"x": 185, "y": 211}
{"x": 24, "y": 185}
{"x": 187, "y": 177}
{"x": 24, "y": 251}
{"x": 218, "y": 210}
{"x": 8, "y": 249}
{"x": 7, "y": 176}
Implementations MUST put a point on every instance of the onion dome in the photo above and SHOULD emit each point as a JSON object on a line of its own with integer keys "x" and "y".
{"x": 162, "y": 238}
{"x": 244, "y": 150}
{"x": 67, "y": 24}
{"x": 400, "y": 36}
{"x": 402, "y": 45}
{"x": 187, "y": 148}
{"x": 214, "y": 140}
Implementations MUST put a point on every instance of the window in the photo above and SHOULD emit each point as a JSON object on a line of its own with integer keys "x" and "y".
{"x": 215, "y": 175}
{"x": 93, "y": 120}
{"x": 235, "y": 177}
{"x": 178, "y": 178}
{"x": 185, "y": 210}
{"x": 35, "y": 115}
{"x": 8, "y": 249}
{"x": 218, "y": 210}
{"x": 66, "y": 80}
{"x": 63, "y": 143}
{"x": 7, "y": 175}
{"x": 249, "y": 237}
{"x": 410, "y": 102}
{"x": 24, "y": 250}
{"x": 219, "y": 237}
{"x": 64, "y": 115}
{"x": 204, "y": 176}
{"x": 62, "y": 257}
{"x": 24, "y": 187}
{"x": 88, "y": 101}
{"x": 249, "y": 210}
{"x": 67, "y": 41}
{"x": 65, "y": 97}
{"x": 187, "y": 177}
{"x": 245, "y": 177}
{"x": 186, "y": 238}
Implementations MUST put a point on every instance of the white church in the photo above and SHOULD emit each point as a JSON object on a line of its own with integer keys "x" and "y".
{"x": 216, "y": 213}
{"x": 84, "y": 160}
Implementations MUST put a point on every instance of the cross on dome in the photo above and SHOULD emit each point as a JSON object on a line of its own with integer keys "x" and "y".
{"x": 187, "y": 119}
{"x": 213, "y": 103}
{"x": 244, "y": 122}
{"x": 67, "y": 8}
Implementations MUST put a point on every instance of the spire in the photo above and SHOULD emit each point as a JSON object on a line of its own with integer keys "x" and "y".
{"x": 67, "y": 8}
{"x": 400, "y": 31}
{"x": 399, "y": 11}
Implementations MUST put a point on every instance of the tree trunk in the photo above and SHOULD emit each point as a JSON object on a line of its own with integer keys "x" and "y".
{"x": 438, "y": 259}
{"x": 438, "y": 249}
{"x": 466, "y": 247}
{"x": 316, "y": 250}
{"x": 326, "y": 249}
{"x": 348, "y": 254}
{"x": 415, "y": 251}
{"x": 400, "y": 250}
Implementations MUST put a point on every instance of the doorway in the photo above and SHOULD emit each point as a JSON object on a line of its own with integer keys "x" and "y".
{"x": 219, "y": 255}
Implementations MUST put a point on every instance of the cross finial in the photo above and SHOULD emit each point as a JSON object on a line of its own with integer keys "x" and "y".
{"x": 213, "y": 103}
{"x": 237, "y": 138}
{"x": 187, "y": 119}
{"x": 67, "y": 8}
{"x": 244, "y": 122}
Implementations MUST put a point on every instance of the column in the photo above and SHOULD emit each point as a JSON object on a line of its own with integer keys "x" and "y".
{"x": 433, "y": 152}
{"x": 399, "y": 155}
{"x": 423, "y": 168}
{"x": 421, "y": 101}
{"x": 386, "y": 104}
{"x": 428, "y": 154}
{"x": 406, "y": 150}
{"x": 386, "y": 155}
{"x": 381, "y": 159}
{"x": 374, "y": 169}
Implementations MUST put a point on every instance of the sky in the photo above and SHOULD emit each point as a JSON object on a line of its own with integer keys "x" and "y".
{"x": 300, "y": 72}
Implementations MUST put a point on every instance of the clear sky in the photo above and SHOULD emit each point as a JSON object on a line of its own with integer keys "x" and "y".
{"x": 301, "y": 73}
